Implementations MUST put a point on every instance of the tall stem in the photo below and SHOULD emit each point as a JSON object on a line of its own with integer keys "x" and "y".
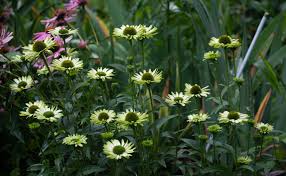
{"x": 151, "y": 103}
{"x": 143, "y": 54}
{"x": 261, "y": 145}
{"x": 65, "y": 46}
{"x": 151, "y": 107}
{"x": 46, "y": 63}
{"x": 214, "y": 151}
{"x": 227, "y": 77}
{"x": 131, "y": 72}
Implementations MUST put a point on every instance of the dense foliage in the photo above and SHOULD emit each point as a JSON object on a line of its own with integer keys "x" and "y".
{"x": 120, "y": 87}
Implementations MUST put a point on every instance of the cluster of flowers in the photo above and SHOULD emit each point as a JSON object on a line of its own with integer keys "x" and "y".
{"x": 41, "y": 111}
{"x": 49, "y": 45}
{"x": 135, "y": 32}
{"x": 48, "y": 52}
{"x": 225, "y": 42}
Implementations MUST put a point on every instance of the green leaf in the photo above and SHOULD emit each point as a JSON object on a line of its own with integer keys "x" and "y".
{"x": 270, "y": 74}
{"x": 275, "y": 59}
{"x": 36, "y": 167}
{"x": 92, "y": 169}
{"x": 161, "y": 121}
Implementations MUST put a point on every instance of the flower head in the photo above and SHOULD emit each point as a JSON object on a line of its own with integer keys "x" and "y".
{"x": 117, "y": 150}
{"x": 129, "y": 32}
{"x": 60, "y": 18}
{"x": 197, "y": 118}
{"x": 147, "y": 77}
{"x": 75, "y": 4}
{"x": 82, "y": 44}
{"x": 50, "y": 114}
{"x": 196, "y": 91}
{"x": 214, "y": 129}
{"x": 211, "y": 56}
{"x": 31, "y": 108}
{"x": 147, "y": 32}
{"x": 34, "y": 125}
{"x": 41, "y": 36}
{"x": 263, "y": 128}
{"x": 21, "y": 83}
{"x": 107, "y": 135}
{"x": 203, "y": 137}
{"x": 67, "y": 64}
{"x": 132, "y": 117}
{"x": 5, "y": 37}
{"x": 233, "y": 117}
{"x": 76, "y": 140}
{"x": 33, "y": 51}
{"x": 62, "y": 31}
{"x": 224, "y": 41}
{"x": 102, "y": 116}
{"x": 177, "y": 98}
{"x": 100, "y": 73}
{"x": 147, "y": 143}
{"x": 238, "y": 81}
{"x": 244, "y": 160}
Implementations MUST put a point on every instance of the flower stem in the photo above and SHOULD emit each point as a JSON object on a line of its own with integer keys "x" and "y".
{"x": 107, "y": 90}
{"x": 248, "y": 141}
{"x": 65, "y": 46}
{"x": 151, "y": 107}
{"x": 261, "y": 145}
{"x": 143, "y": 54}
{"x": 214, "y": 151}
{"x": 46, "y": 63}
{"x": 227, "y": 77}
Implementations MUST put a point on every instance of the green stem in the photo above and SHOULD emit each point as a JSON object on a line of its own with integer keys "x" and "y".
{"x": 46, "y": 63}
{"x": 131, "y": 71}
{"x": 151, "y": 107}
{"x": 152, "y": 119}
{"x": 143, "y": 54}
{"x": 227, "y": 77}
{"x": 65, "y": 45}
{"x": 248, "y": 140}
{"x": 261, "y": 145}
{"x": 107, "y": 90}
{"x": 117, "y": 168}
{"x": 186, "y": 129}
{"x": 235, "y": 143}
{"x": 214, "y": 151}
{"x": 233, "y": 59}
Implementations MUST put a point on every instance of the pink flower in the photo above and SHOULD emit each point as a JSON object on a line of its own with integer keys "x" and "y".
{"x": 41, "y": 36}
{"x": 5, "y": 37}
{"x": 58, "y": 48}
{"x": 39, "y": 63}
{"x": 82, "y": 44}
{"x": 74, "y": 4}
{"x": 59, "y": 41}
{"x": 62, "y": 17}
{"x": 56, "y": 53}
